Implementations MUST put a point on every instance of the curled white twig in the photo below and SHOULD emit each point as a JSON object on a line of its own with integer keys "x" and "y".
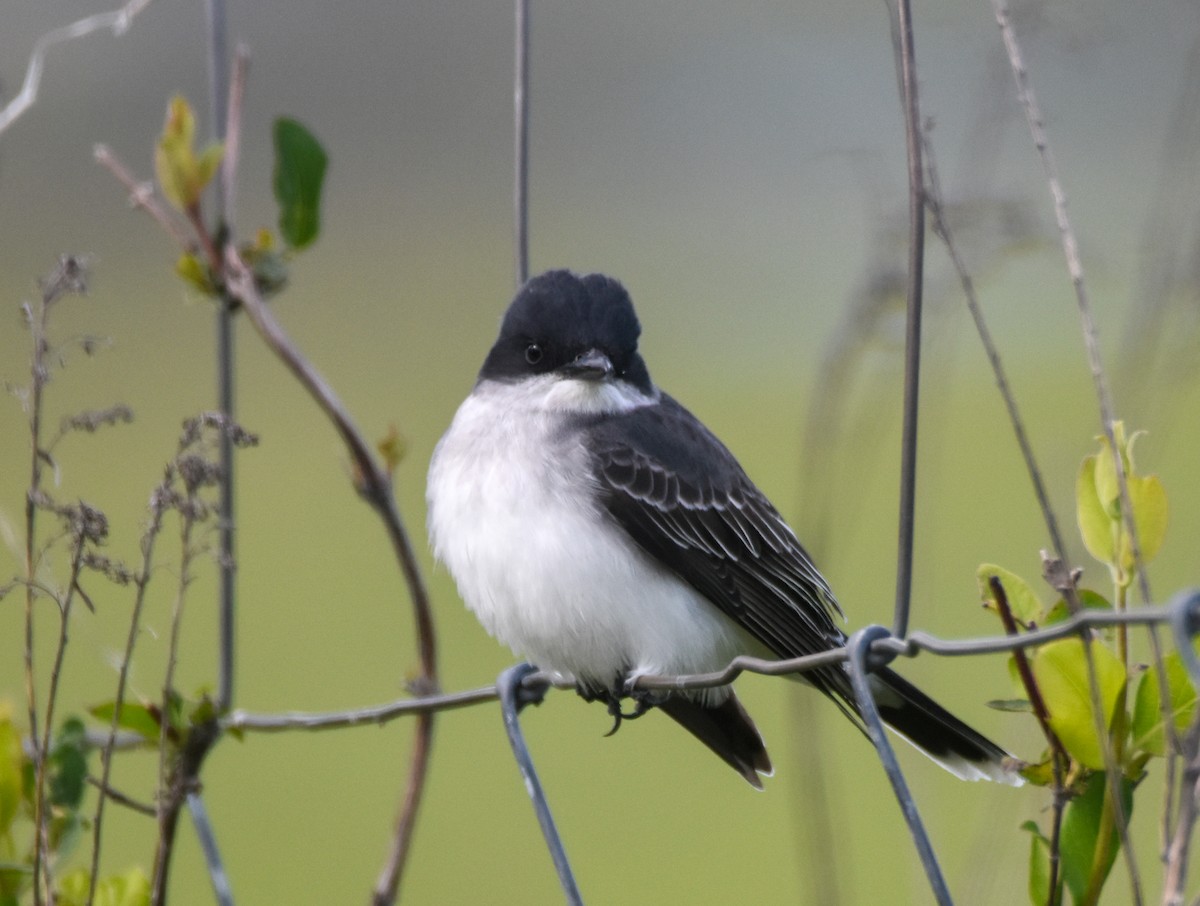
{"x": 117, "y": 21}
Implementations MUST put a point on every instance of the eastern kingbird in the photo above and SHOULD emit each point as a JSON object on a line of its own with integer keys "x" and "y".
{"x": 597, "y": 528}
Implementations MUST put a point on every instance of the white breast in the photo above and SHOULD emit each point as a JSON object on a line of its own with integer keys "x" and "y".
{"x": 546, "y": 572}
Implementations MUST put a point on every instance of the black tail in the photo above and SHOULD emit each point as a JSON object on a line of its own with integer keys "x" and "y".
{"x": 726, "y": 729}
{"x": 961, "y": 750}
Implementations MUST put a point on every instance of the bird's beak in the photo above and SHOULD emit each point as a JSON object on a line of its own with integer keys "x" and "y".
{"x": 592, "y": 365}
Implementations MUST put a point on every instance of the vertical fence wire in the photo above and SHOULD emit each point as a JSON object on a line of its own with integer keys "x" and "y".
{"x": 859, "y": 650}
{"x": 912, "y": 340}
{"x": 521, "y": 140}
{"x": 514, "y": 696}
{"x": 218, "y": 74}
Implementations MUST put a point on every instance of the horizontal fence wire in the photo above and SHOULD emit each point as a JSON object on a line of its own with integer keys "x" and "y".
{"x": 1181, "y": 615}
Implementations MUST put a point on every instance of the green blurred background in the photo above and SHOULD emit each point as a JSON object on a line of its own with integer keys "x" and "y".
{"x": 740, "y": 167}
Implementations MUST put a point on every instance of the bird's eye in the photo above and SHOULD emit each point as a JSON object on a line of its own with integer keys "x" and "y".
{"x": 533, "y": 353}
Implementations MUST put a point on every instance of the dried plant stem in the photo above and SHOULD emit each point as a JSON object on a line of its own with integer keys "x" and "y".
{"x": 64, "y": 606}
{"x": 941, "y": 229}
{"x": 37, "y": 328}
{"x": 108, "y": 792}
{"x": 141, "y": 196}
{"x": 1185, "y": 822}
{"x": 149, "y": 538}
{"x": 176, "y": 774}
{"x": 1036, "y": 121}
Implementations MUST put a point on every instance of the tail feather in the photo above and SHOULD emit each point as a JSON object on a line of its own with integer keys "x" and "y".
{"x": 726, "y": 729}
{"x": 958, "y": 748}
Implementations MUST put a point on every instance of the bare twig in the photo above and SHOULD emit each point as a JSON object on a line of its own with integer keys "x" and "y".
{"x": 117, "y": 21}
{"x": 1033, "y": 116}
{"x": 67, "y": 278}
{"x": 941, "y": 229}
{"x": 912, "y": 339}
{"x": 80, "y": 541}
{"x": 175, "y": 778}
{"x": 142, "y": 196}
{"x": 233, "y": 132}
{"x": 149, "y": 537}
{"x": 108, "y": 792}
{"x": 1185, "y": 822}
{"x": 374, "y": 485}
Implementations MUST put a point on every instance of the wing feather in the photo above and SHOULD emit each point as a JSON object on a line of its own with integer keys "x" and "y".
{"x": 681, "y": 495}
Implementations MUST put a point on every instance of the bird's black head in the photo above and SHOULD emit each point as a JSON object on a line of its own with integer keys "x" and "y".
{"x": 572, "y": 326}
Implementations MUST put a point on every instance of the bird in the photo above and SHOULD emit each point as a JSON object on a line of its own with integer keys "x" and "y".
{"x": 602, "y": 532}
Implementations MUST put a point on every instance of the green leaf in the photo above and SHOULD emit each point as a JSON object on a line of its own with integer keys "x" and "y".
{"x": 1060, "y": 669}
{"x": 1081, "y": 831}
{"x": 1041, "y": 773}
{"x": 1147, "y": 728}
{"x": 68, "y": 764}
{"x": 1039, "y": 865}
{"x": 194, "y": 271}
{"x": 1088, "y": 599}
{"x": 181, "y": 176}
{"x": 1149, "y": 500}
{"x": 207, "y": 163}
{"x": 73, "y": 887}
{"x": 1024, "y": 604}
{"x": 129, "y": 889}
{"x": 300, "y": 164}
{"x": 1095, "y": 525}
{"x": 11, "y": 758}
{"x": 136, "y": 718}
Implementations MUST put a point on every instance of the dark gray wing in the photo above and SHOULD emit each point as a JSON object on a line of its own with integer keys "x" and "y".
{"x": 681, "y": 495}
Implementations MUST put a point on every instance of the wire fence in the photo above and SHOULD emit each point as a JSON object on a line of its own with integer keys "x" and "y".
{"x": 866, "y": 650}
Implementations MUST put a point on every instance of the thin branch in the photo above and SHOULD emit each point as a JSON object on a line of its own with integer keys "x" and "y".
{"x": 143, "y": 197}
{"x": 941, "y": 229}
{"x": 108, "y": 792}
{"x": 912, "y": 339}
{"x": 374, "y": 485}
{"x": 43, "y": 827}
{"x": 175, "y": 777}
{"x": 67, "y": 278}
{"x": 38, "y": 379}
{"x": 118, "y": 21}
{"x": 233, "y": 132}
{"x": 1070, "y": 245}
{"x": 149, "y": 537}
{"x": 1181, "y": 840}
